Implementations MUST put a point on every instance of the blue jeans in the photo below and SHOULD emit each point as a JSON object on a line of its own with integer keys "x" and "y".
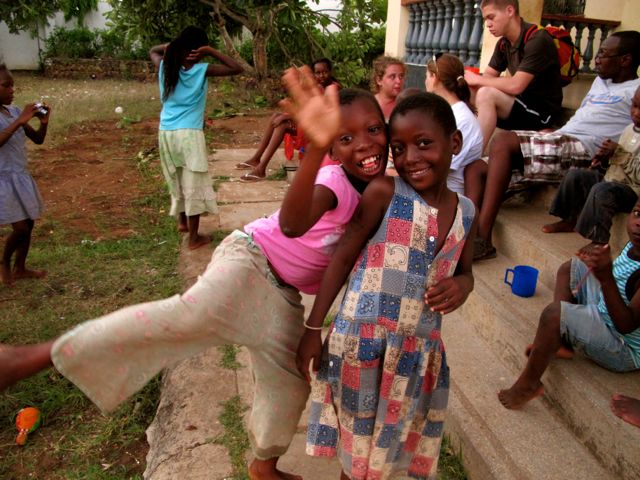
{"x": 582, "y": 326}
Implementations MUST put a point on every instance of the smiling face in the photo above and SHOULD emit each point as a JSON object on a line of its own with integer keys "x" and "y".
{"x": 6, "y": 87}
{"x": 392, "y": 82}
{"x": 422, "y": 150}
{"x": 361, "y": 145}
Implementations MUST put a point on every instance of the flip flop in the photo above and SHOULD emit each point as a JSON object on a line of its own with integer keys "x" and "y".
{"x": 244, "y": 166}
{"x": 251, "y": 178}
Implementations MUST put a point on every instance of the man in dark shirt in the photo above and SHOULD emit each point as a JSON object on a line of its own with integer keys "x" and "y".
{"x": 529, "y": 99}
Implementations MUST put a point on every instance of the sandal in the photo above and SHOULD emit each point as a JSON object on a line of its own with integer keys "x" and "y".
{"x": 483, "y": 250}
{"x": 251, "y": 178}
{"x": 245, "y": 166}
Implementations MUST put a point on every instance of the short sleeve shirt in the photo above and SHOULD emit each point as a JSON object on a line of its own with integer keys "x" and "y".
{"x": 184, "y": 108}
{"x": 539, "y": 57}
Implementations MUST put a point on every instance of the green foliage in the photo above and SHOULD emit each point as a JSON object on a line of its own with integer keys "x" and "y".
{"x": 81, "y": 42}
{"x": 28, "y": 15}
{"x": 157, "y": 21}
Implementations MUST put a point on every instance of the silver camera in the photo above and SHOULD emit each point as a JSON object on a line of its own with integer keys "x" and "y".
{"x": 42, "y": 110}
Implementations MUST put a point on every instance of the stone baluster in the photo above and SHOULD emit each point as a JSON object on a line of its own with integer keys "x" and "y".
{"x": 588, "y": 51}
{"x": 454, "y": 38}
{"x": 446, "y": 26}
{"x": 422, "y": 38}
{"x": 475, "y": 40}
{"x": 430, "y": 32}
{"x": 437, "y": 36}
{"x": 465, "y": 33}
{"x": 410, "y": 43}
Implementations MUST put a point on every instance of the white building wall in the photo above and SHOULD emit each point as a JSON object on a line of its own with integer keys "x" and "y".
{"x": 21, "y": 51}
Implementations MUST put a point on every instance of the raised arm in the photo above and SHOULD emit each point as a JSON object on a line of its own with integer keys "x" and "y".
{"x": 37, "y": 136}
{"x": 318, "y": 115}
{"x": 157, "y": 54}
{"x": 227, "y": 67}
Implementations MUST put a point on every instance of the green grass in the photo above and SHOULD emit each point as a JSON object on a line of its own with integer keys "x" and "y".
{"x": 234, "y": 438}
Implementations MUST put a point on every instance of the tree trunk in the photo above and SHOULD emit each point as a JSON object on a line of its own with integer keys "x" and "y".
{"x": 260, "y": 39}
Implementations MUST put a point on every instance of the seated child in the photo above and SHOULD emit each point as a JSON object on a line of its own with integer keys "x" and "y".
{"x": 596, "y": 309}
{"x": 381, "y": 392}
{"x": 586, "y": 201}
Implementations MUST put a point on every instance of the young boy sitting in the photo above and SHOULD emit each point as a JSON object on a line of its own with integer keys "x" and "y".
{"x": 596, "y": 309}
{"x": 585, "y": 203}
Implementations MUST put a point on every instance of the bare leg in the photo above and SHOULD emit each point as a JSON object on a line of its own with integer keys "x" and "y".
{"x": 182, "y": 223}
{"x": 475, "y": 176}
{"x": 195, "y": 239}
{"x": 545, "y": 345}
{"x": 491, "y": 104}
{"x": 18, "y": 363}
{"x": 255, "y": 160}
{"x": 504, "y": 153}
{"x": 276, "y": 139}
{"x": 266, "y": 470}
{"x": 343, "y": 476}
{"x": 23, "y": 230}
{"x": 627, "y": 408}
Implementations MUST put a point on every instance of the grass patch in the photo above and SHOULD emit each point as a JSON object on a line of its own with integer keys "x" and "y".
{"x": 228, "y": 359}
{"x": 450, "y": 463}
{"x": 280, "y": 174}
{"x": 234, "y": 438}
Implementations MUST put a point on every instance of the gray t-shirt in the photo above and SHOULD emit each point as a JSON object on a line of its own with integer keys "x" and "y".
{"x": 604, "y": 113}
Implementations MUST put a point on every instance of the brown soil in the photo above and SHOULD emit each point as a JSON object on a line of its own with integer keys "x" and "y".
{"x": 90, "y": 179}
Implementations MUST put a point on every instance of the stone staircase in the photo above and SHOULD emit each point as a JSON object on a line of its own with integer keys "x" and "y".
{"x": 569, "y": 432}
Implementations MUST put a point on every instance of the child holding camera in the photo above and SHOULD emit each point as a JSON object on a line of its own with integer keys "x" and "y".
{"x": 20, "y": 201}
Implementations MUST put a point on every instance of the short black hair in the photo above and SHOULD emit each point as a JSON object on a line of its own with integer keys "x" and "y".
{"x": 326, "y": 61}
{"x": 430, "y": 104}
{"x": 349, "y": 95}
{"x": 629, "y": 44}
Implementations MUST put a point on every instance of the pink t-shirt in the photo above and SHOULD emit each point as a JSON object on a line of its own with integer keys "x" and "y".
{"x": 301, "y": 261}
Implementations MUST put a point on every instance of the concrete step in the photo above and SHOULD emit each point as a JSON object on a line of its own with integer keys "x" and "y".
{"x": 497, "y": 443}
{"x": 578, "y": 390}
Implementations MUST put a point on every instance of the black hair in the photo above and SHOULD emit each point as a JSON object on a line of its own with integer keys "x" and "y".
{"x": 629, "y": 44}
{"x": 326, "y": 61}
{"x": 347, "y": 96}
{"x": 3, "y": 67}
{"x": 191, "y": 38}
{"x": 430, "y": 104}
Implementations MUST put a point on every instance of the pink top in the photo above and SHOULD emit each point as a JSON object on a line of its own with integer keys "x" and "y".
{"x": 301, "y": 261}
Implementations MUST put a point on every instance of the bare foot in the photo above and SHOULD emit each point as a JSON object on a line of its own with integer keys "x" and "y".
{"x": 589, "y": 248}
{"x": 563, "y": 352}
{"x": 199, "y": 241}
{"x": 560, "y": 226}
{"x": 26, "y": 273}
{"x": 627, "y": 408}
{"x": 516, "y": 396}
{"x": 5, "y": 276}
{"x": 182, "y": 228}
{"x": 266, "y": 470}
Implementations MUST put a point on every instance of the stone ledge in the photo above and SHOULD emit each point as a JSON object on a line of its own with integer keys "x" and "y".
{"x": 98, "y": 68}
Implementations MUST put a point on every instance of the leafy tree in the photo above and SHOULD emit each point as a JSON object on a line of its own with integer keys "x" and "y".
{"x": 29, "y": 15}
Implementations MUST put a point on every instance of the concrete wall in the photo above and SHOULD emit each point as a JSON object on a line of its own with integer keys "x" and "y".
{"x": 21, "y": 51}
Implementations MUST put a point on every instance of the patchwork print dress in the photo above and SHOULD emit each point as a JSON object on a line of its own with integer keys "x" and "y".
{"x": 380, "y": 396}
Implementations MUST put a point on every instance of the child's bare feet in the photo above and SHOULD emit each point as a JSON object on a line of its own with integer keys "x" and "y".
{"x": 627, "y": 408}
{"x": 560, "y": 226}
{"x": 5, "y": 276}
{"x": 563, "y": 352}
{"x": 26, "y": 273}
{"x": 266, "y": 470}
{"x": 199, "y": 241}
{"x": 516, "y": 396}
{"x": 182, "y": 228}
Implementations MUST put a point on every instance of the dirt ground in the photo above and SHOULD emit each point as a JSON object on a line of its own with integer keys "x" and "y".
{"x": 90, "y": 180}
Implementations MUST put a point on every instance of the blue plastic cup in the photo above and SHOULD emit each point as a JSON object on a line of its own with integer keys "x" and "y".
{"x": 523, "y": 280}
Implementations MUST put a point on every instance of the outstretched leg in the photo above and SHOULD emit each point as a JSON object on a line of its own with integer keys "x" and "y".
{"x": 570, "y": 199}
{"x": 545, "y": 345}
{"x": 627, "y": 408}
{"x": 18, "y": 363}
{"x": 260, "y": 170}
{"x": 275, "y": 120}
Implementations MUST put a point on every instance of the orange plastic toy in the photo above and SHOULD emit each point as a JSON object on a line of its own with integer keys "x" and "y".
{"x": 27, "y": 420}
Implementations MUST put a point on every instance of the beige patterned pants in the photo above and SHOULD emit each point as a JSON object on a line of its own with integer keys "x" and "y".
{"x": 235, "y": 301}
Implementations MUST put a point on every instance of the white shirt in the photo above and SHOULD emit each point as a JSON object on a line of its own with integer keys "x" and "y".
{"x": 471, "y": 145}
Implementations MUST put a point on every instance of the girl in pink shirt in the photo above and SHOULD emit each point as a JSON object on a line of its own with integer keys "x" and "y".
{"x": 249, "y": 293}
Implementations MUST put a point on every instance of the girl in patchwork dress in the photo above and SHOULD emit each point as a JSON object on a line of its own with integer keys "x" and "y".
{"x": 381, "y": 391}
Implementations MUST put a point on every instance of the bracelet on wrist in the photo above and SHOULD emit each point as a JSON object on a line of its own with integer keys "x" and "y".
{"x": 309, "y": 327}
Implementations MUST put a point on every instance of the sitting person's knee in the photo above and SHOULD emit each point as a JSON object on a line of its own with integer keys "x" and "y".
{"x": 550, "y": 317}
{"x": 486, "y": 95}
